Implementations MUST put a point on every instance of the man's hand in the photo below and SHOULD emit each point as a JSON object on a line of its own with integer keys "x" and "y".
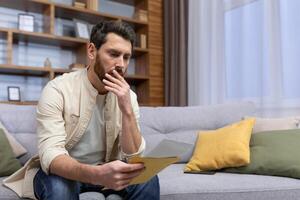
{"x": 116, "y": 175}
{"x": 118, "y": 85}
{"x": 113, "y": 175}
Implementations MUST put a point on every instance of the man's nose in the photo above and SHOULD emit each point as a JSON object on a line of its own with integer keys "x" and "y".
{"x": 120, "y": 62}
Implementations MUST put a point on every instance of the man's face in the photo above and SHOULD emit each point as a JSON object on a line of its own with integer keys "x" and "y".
{"x": 115, "y": 54}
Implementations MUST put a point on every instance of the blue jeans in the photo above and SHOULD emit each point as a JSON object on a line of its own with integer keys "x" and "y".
{"x": 52, "y": 187}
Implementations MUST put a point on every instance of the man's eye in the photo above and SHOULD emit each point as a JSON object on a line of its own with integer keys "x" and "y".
{"x": 114, "y": 55}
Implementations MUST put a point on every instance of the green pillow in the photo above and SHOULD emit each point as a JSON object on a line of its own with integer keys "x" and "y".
{"x": 9, "y": 164}
{"x": 273, "y": 153}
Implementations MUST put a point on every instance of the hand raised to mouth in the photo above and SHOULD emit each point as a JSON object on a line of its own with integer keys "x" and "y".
{"x": 114, "y": 82}
{"x": 118, "y": 69}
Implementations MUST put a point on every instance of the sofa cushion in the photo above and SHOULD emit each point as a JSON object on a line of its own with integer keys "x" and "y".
{"x": 183, "y": 123}
{"x": 9, "y": 164}
{"x": 274, "y": 153}
{"x": 29, "y": 141}
{"x": 224, "y": 147}
{"x": 18, "y": 118}
{"x": 176, "y": 185}
{"x": 17, "y": 148}
{"x": 269, "y": 124}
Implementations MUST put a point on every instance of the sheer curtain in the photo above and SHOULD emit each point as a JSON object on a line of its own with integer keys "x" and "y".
{"x": 245, "y": 50}
{"x": 205, "y": 44}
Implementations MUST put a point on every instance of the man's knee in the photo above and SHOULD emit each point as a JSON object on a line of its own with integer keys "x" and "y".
{"x": 54, "y": 187}
{"x": 145, "y": 191}
{"x": 154, "y": 181}
{"x": 153, "y": 184}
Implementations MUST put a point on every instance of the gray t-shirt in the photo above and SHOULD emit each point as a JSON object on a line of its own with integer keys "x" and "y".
{"x": 92, "y": 146}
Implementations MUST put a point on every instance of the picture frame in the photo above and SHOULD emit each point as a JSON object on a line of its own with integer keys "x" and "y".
{"x": 26, "y": 22}
{"x": 82, "y": 29}
{"x": 13, "y": 93}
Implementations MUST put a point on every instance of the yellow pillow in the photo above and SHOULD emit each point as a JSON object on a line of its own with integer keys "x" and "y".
{"x": 224, "y": 147}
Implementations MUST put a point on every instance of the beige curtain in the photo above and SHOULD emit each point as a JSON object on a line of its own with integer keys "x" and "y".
{"x": 175, "y": 41}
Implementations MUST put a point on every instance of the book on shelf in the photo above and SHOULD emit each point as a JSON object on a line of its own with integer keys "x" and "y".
{"x": 79, "y": 4}
{"x": 141, "y": 41}
{"x": 141, "y": 15}
{"x": 92, "y": 4}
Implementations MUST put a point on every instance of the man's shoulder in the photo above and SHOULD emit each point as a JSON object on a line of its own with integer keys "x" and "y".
{"x": 65, "y": 88}
{"x": 68, "y": 78}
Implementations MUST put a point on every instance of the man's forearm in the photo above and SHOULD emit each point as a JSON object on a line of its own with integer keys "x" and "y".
{"x": 69, "y": 168}
{"x": 131, "y": 137}
{"x": 113, "y": 175}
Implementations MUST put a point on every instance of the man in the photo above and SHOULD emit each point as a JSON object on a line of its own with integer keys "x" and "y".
{"x": 87, "y": 120}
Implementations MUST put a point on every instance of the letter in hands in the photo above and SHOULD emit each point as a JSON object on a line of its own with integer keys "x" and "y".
{"x": 116, "y": 175}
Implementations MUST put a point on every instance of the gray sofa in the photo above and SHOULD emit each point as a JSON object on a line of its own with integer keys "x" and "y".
{"x": 179, "y": 124}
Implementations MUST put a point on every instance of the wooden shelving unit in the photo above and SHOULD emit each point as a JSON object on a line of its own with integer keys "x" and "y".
{"x": 20, "y": 102}
{"x": 50, "y": 12}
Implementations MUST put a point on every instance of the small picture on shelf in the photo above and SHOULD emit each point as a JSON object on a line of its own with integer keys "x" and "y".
{"x": 26, "y": 22}
{"x": 82, "y": 29}
{"x": 68, "y": 31}
{"x": 13, "y": 93}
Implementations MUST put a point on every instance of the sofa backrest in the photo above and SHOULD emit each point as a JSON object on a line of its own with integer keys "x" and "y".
{"x": 157, "y": 123}
{"x": 20, "y": 121}
{"x": 183, "y": 123}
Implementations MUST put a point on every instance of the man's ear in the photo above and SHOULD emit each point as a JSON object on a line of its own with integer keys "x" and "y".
{"x": 91, "y": 51}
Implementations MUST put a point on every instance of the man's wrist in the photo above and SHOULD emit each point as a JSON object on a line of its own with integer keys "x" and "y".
{"x": 128, "y": 112}
{"x": 86, "y": 173}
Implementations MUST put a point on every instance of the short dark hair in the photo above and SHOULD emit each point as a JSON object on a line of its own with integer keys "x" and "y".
{"x": 100, "y": 31}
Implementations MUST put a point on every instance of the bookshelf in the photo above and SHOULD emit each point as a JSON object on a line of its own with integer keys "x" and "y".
{"x": 141, "y": 80}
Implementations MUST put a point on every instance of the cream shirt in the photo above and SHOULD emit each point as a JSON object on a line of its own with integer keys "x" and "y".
{"x": 63, "y": 114}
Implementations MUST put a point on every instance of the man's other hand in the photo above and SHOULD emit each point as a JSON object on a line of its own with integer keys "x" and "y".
{"x": 116, "y": 175}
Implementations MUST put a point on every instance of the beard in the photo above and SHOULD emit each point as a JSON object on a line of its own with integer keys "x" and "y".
{"x": 99, "y": 68}
{"x": 100, "y": 72}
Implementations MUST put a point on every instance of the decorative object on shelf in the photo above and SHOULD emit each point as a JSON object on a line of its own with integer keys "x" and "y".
{"x": 92, "y": 4}
{"x": 76, "y": 66}
{"x": 47, "y": 63}
{"x": 78, "y": 4}
{"x": 26, "y": 22}
{"x": 141, "y": 15}
{"x": 82, "y": 29}
{"x": 141, "y": 41}
{"x": 13, "y": 93}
